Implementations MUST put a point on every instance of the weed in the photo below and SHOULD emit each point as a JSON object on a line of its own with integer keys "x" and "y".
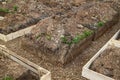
{"x": 7, "y": 78}
{"x": 15, "y": 8}
{"x": 4, "y": 10}
{"x": 87, "y": 33}
{"x": 77, "y": 38}
{"x": 38, "y": 36}
{"x": 82, "y": 36}
{"x": 100, "y": 24}
{"x": 64, "y": 39}
{"x": 48, "y": 37}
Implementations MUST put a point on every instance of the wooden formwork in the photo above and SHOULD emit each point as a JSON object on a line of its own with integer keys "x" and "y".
{"x": 19, "y": 33}
{"x": 16, "y": 34}
{"x": 115, "y": 38}
{"x": 26, "y": 63}
{"x": 88, "y": 73}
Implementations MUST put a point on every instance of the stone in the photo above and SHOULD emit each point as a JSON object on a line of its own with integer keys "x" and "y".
{"x": 80, "y": 26}
{"x": 1, "y": 18}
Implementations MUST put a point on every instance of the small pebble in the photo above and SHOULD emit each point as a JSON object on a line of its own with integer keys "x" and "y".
{"x": 3, "y": 2}
{"x": 1, "y": 18}
{"x": 80, "y": 26}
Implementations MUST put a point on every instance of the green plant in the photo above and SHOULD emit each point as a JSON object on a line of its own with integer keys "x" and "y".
{"x": 65, "y": 40}
{"x": 15, "y": 8}
{"x": 48, "y": 37}
{"x": 82, "y": 36}
{"x": 87, "y": 33}
{"x": 4, "y": 10}
{"x": 100, "y": 24}
{"x": 38, "y": 36}
{"x": 77, "y": 38}
{"x": 7, "y": 78}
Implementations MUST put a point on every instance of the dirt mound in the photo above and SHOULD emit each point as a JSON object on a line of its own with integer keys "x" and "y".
{"x": 21, "y": 15}
{"x": 58, "y": 36}
{"x": 93, "y": 14}
{"x": 61, "y": 34}
{"x": 108, "y": 63}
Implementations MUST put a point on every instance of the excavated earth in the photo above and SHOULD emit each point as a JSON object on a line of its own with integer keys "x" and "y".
{"x": 28, "y": 12}
{"x": 71, "y": 71}
{"x": 46, "y": 36}
{"x": 108, "y": 63}
{"x": 56, "y": 37}
{"x": 19, "y": 15}
{"x": 16, "y": 15}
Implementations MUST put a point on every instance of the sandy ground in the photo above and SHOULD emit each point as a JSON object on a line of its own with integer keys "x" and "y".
{"x": 73, "y": 70}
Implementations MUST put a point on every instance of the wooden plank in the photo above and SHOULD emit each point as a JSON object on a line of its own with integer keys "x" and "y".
{"x": 88, "y": 73}
{"x": 3, "y": 37}
{"x": 26, "y": 63}
{"x": 18, "y": 33}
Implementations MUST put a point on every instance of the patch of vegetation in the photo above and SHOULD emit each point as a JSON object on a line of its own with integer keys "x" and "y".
{"x": 7, "y": 78}
{"x": 15, "y": 8}
{"x": 4, "y": 10}
{"x": 48, "y": 37}
{"x": 77, "y": 38}
{"x": 65, "y": 40}
{"x": 38, "y": 36}
{"x": 82, "y": 36}
{"x": 100, "y": 24}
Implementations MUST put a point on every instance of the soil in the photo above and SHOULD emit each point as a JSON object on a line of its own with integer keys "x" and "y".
{"x": 9, "y": 68}
{"x": 15, "y": 71}
{"x": 55, "y": 36}
{"x": 71, "y": 71}
{"x": 108, "y": 63}
{"x": 92, "y": 13}
{"x": 28, "y": 12}
{"x": 118, "y": 38}
{"x": 18, "y": 15}
{"x": 46, "y": 36}
{"x": 21, "y": 14}
{"x": 28, "y": 76}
